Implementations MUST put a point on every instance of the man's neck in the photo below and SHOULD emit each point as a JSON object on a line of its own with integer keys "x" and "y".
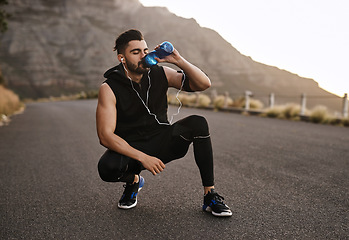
{"x": 136, "y": 77}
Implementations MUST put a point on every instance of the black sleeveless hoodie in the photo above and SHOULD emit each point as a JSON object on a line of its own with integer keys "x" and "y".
{"x": 134, "y": 123}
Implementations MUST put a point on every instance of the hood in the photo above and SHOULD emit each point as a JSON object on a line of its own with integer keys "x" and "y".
{"x": 118, "y": 73}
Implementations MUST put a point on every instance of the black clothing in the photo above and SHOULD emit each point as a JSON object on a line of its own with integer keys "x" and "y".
{"x": 168, "y": 145}
{"x": 133, "y": 120}
{"x": 142, "y": 131}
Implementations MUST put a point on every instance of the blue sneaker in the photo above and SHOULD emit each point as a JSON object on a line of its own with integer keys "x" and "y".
{"x": 129, "y": 197}
{"x": 213, "y": 203}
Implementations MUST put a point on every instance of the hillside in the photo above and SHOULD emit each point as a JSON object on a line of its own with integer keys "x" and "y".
{"x": 55, "y": 47}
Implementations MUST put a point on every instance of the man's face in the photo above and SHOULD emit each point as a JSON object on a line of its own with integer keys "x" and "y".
{"x": 134, "y": 52}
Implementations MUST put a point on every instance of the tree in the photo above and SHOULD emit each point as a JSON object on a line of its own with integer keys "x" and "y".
{"x": 3, "y": 27}
{"x": 3, "y": 16}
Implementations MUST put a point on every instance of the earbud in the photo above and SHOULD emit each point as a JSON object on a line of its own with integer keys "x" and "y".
{"x": 122, "y": 59}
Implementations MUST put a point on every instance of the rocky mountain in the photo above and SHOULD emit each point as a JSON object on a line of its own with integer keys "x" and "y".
{"x": 54, "y": 47}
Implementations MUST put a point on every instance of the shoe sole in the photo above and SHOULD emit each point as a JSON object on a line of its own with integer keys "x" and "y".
{"x": 133, "y": 205}
{"x": 128, "y": 207}
{"x": 222, "y": 214}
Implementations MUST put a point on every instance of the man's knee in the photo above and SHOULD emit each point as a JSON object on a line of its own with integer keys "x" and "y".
{"x": 199, "y": 125}
{"x": 111, "y": 166}
{"x": 191, "y": 127}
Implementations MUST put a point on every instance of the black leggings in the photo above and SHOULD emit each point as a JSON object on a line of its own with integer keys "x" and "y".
{"x": 170, "y": 144}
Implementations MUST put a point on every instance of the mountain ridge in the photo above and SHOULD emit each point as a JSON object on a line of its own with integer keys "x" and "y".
{"x": 54, "y": 48}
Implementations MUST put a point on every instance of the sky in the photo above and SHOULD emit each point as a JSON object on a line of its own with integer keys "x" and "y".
{"x": 306, "y": 37}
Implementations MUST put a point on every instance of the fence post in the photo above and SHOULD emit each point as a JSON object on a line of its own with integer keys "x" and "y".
{"x": 197, "y": 103}
{"x": 247, "y": 100}
{"x": 213, "y": 94}
{"x": 345, "y": 105}
{"x": 226, "y": 97}
{"x": 303, "y": 104}
{"x": 271, "y": 100}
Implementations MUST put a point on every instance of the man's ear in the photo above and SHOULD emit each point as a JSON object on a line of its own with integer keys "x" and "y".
{"x": 121, "y": 58}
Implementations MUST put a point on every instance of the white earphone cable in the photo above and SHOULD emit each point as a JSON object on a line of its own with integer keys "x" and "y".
{"x": 147, "y": 98}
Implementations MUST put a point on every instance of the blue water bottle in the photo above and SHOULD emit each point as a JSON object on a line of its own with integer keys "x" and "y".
{"x": 165, "y": 49}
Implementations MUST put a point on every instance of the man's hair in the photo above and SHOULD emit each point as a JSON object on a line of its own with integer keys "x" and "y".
{"x": 124, "y": 38}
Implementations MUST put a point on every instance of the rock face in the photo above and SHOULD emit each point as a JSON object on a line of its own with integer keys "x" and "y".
{"x": 54, "y": 47}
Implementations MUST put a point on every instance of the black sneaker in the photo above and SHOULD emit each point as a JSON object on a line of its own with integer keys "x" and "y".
{"x": 129, "y": 197}
{"x": 213, "y": 203}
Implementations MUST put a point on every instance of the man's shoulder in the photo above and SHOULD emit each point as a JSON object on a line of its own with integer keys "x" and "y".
{"x": 112, "y": 71}
{"x": 159, "y": 72}
{"x": 106, "y": 95}
{"x": 105, "y": 89}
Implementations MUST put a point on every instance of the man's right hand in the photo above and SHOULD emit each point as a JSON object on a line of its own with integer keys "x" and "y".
{"x": 152, "y": 164}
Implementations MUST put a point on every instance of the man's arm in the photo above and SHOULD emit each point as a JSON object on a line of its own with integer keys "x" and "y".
{"x": 198, "y": 80}
{"x": 106, "y": 115}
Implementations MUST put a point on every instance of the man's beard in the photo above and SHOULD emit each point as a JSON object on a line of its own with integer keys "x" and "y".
{"x": 137, "y": 68}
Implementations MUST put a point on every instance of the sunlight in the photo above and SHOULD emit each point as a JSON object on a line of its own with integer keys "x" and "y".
{"x": 304, "y": 37}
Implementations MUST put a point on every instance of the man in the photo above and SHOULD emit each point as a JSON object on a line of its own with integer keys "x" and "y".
{"x": 132, "y": 122}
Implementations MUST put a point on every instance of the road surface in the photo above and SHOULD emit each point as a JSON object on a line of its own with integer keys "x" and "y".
{"x": 282, "y": 179}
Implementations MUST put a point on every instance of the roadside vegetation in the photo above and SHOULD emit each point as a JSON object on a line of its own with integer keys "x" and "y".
{"x": 9, "y": 104}
{"x": 290, "y": 111}
{"x": 81, "y": 95}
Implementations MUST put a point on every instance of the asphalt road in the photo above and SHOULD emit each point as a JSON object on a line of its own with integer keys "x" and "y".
{"x": 282, "y": 179}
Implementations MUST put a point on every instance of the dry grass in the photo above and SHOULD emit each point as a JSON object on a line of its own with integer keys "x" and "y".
{"x": 203, "y": 100}
{"x": 289, "y": 111}
{"x": 187, "y": 99}
{"x": 221, "y": 101}
{"x": 345, "y": 122}
{"x": 274, "y": 112}
{"x": 198, "y": 100}
{"x": 9, "y": 102}
{"x": 319, "y": 114}
{"x": 254, "y": 103}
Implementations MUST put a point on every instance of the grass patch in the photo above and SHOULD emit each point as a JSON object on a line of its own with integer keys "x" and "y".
{"x": 192, "y": 100}
{"x": 187, "y": 99}
{"x": 254, "y": 103}
{"x": 9, "y": 102}
{"x": 221, "y": 101}
{"x": 291, "y": 111}
{"x": 274, "y": 112}
{"x": 203, "y": 100}
{"x": 345, "y": 122}
{"x": 319, "y": 114}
